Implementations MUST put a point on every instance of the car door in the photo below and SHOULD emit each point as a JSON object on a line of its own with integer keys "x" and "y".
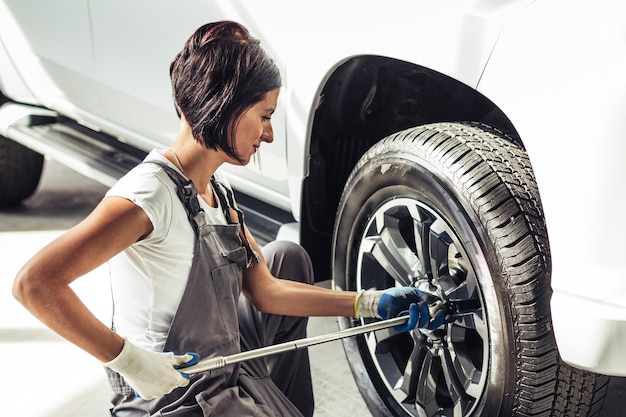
{"x": 50, "y": 42}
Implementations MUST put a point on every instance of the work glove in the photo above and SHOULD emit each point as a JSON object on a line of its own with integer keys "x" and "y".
{"x": 399, "y": 301}
{"x": 151, "y": 374}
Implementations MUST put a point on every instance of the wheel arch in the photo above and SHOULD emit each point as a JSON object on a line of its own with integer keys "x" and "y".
{"x": 364, "y": 99}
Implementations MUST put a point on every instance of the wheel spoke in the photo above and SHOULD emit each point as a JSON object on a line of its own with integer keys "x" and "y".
{"x": 421, "y": 224}
{"x": 390, "y": 242}
{"x": 385, "y": 344}
{"x": 439, "y": 245}
{"x": 456, "y": 385}
{"x": 427, "y": 383}
{"x": 412, "y": 371}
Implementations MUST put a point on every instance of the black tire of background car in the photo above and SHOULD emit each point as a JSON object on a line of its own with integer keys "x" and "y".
{"x": 20, "y": 172}
{"x": 482, "y": 187}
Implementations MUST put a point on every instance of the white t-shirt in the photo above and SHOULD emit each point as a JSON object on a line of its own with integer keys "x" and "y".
{"x": 148, "y": 278}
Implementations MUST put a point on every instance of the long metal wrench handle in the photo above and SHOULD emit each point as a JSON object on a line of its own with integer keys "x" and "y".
{"x": 221, "y": 361}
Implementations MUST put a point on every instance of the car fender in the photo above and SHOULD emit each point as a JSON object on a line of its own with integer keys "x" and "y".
{"x": 454, "y": 38}
{"x": 563, "y": 88}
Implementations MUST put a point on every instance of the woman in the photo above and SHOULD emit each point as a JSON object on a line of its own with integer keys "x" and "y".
{"x": 180, "y": 256}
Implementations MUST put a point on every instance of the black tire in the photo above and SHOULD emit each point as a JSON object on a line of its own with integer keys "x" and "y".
{"x": 20, "y": 172}
{"x": 454, "y": 209}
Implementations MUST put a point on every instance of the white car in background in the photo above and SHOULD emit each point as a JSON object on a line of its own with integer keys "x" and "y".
{"x": 473, "y": 149}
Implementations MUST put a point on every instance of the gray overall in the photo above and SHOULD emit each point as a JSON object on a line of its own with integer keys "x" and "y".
{"x": 213, "y": 319}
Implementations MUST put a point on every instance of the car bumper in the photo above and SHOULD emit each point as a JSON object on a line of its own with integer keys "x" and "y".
{"x": 590, "y": 333}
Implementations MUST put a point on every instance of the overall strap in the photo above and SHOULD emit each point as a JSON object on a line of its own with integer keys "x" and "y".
{"x": 227, "y": 200}
{"x": 188, "y": 194}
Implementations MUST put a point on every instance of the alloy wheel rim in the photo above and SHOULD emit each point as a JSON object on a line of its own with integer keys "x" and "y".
{"x": 442, "y": 372}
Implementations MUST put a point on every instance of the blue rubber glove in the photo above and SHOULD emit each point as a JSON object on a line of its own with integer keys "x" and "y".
{"x": 400, "y": 301}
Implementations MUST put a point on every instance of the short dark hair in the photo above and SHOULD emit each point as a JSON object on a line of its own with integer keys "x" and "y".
{"x": 220, "y": 72}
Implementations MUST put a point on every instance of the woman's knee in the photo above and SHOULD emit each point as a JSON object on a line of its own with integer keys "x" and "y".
{"x": 288, "y": 260}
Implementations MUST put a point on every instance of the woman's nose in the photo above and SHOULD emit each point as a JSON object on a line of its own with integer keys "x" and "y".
{"x": 268, "y": 133}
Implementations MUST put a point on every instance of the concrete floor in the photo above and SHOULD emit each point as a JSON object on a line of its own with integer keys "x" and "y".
{"x": 45, "y": 376}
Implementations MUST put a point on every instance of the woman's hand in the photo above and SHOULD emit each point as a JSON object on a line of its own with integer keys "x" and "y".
{"x": 151, "y": 374}
{"x": 399, "y": 301}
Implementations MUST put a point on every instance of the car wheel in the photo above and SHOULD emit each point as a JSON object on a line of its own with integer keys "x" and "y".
{"x": 20, "y": 171}
{"x": 453, "y": 209}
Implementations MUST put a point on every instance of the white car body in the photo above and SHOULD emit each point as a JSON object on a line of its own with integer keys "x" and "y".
{"x": 554, "y": 68}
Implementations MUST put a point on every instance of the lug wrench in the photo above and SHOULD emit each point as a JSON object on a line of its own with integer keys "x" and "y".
{"x": 221, "y": 361}
{"x": 454, "y": 309}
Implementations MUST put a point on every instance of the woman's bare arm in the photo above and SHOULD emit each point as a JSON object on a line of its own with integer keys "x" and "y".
{"x": 42, "y": 285}
{"x": 280, "y": 296}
